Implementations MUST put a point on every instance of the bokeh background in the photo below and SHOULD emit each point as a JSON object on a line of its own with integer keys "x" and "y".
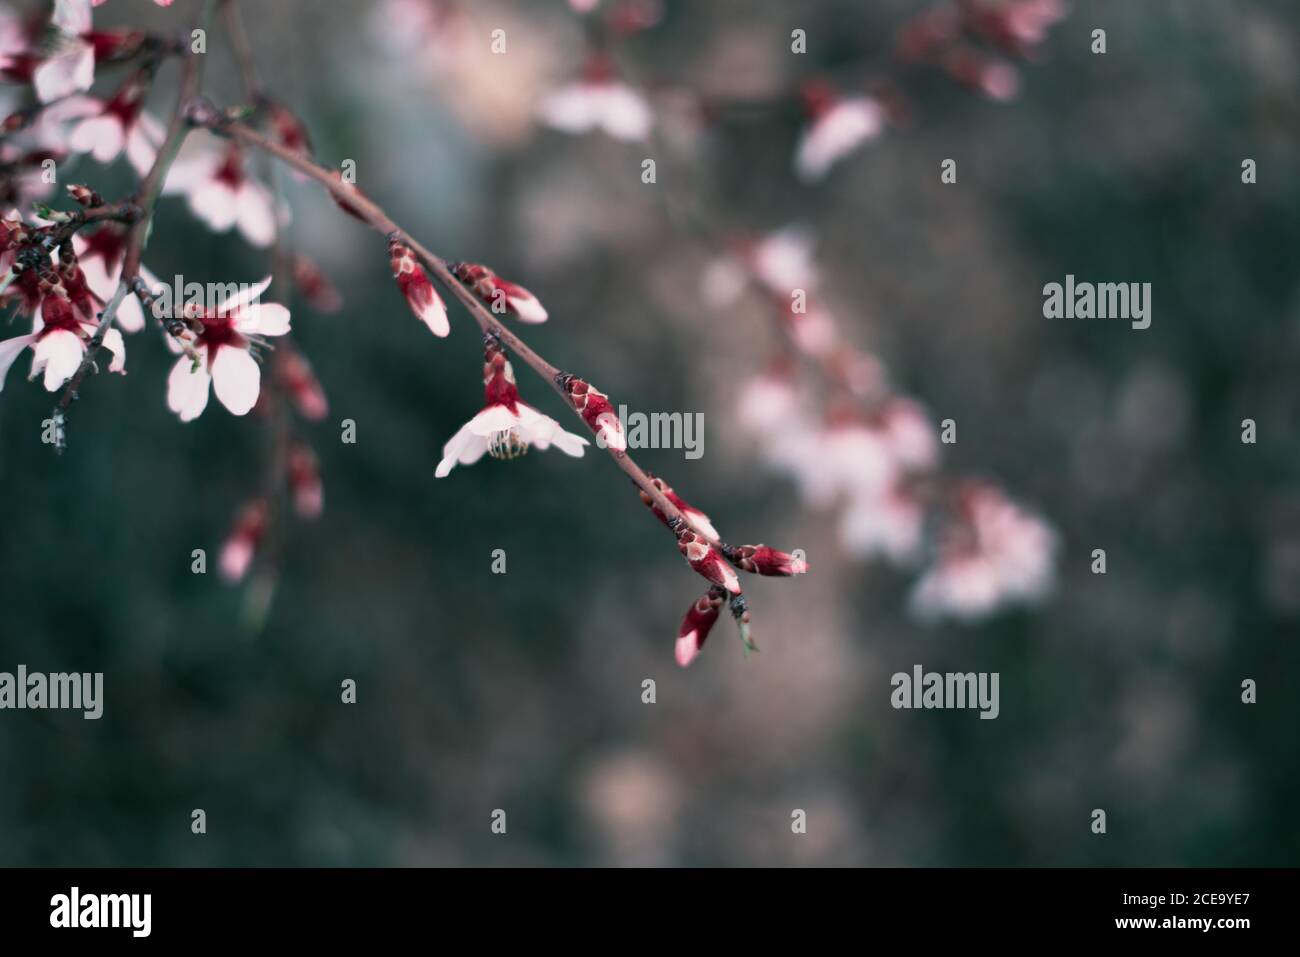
{"x": 523, "y": 691}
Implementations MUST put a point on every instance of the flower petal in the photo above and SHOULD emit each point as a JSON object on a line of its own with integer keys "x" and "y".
{"x": 9, "y": 350}
{"x": 236, "y": 379}
{"x": 59, "y": 354}
{"x": 187, "y": 391}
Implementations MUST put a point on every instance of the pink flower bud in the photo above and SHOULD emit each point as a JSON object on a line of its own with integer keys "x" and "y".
{"x": 498, "y": 294}
{"x": 761, "y": 560}
{"x": 708, "y": 561}
{"x": 241, "y": 544}
{"x": 697, "y": 518}
{"x": 305, "y": 483}
{"x": 298, "y": 379}
{"x": 315, "y": 286}
{"x": 595, "y": 409}
{"x": 695, "y": 627}
{"x": 418, "y": 290}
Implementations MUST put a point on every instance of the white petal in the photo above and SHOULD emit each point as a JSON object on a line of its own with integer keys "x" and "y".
{"x": 495, "y": 418}
{"x": 528, "y": 309}
{"x": 141, "y": 151}
{"x": 571, "y": 109}
{"x": 247, "y": 295}
{"x": 236, "y": 379}
{"x": 835, "y": 134}
{"x": 464, "y": 443}
{"x": 542, "y": 431}
{"x": 130, "y": 314}
{"x": 114, "y": 344}
{"x": 9, "y": 350}
{"x": 187, "y": 391}
{"x": 256, "y": 214}
{"x": 100, "y": 136}
{"x": 264, "y": 319}
{"x": 214, "y": 203}
{"x": 72, "y": 71}
{"x": 624, "y": 113}
{"x": 59, "y": 353}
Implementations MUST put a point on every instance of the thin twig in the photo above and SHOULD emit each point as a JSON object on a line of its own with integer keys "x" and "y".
{"x": 375, "y": 217}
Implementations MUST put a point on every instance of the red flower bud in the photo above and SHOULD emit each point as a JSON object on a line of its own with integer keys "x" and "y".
{"x": 241, "y": 544}
{"x": 762, "y": 560}
{"x": 695, "y": 627}
{"x": 697, "y": 518}
{"x": 501, "y": 296}
{"x": 84, "y": 195}
{"x": 298, "y": 379}
{"x": 708, "y": 561}
{"x": 416, "y": 287}
{"x": 596, "y": 411}
{"x": 315, "y": 286}
{"x": 305, "y": 483}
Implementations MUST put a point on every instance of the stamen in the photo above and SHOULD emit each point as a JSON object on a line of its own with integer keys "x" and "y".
{"x": 507, "y": 445}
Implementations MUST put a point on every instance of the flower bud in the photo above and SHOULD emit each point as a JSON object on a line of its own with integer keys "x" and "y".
{"x": 305, "y": 483}
{"x": 698, "y": 519}
{"x": 84, "y": 195}
{"x": 315, "y": 286}
{"x": 699, "y": 620}
{"x": 416, "y": 287}
{"x": 761, "y": 560}
{"x": 241, "y": 544}
{"x": 596, "y": 411}
{"x": 498, "y": 294}
{"x": 707, "y": 561}
{"x": 298, "y": 379}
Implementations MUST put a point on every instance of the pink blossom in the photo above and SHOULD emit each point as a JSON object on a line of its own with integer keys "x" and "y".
{"x": 994, "y": 554}
{"x": 221, "y": 192}
{"x": 100, "y": 254}
{"x": 763, "y": 560}
{"x": 121, "y": 123}
{"x": 838, "y": 127}
{"x": 295, "y": 374}
{"x": 240, "y": 546}
{"x": 305, "y": 483}
{"x": 598, "y": 101}
{"x": 506, "y": 427}
{"x": 224, "y": 345}
{"x": 58, "y": 343}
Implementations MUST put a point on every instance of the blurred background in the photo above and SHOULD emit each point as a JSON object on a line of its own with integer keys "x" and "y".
{"x": 523, "y": 691}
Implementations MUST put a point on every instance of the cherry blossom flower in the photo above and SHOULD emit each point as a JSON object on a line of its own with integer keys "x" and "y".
{"x": 58, "y": 343}
{"x": 240, "y": 546}
{"x": 223, "y": 339}
{"x": 994, "y": 554}
{"x": 500, "y": 295}
{"x": 220, "y": 191}
{"x": 781, "y": 261}
{"x": 598, "y": 101}
{"x": 506, "y": 427}
{"x": 762, "y": 560}
{"x": 890, "y": 522}
{"x": 839, "y": 125}
{"x": 121, "y": 123}
{"x": 595, "y": 408}
{"x": 418, "y": 289}
{"x": 101, "y": 252}
{"x": 707, "y": 560}
{"x": 699, "y": 621}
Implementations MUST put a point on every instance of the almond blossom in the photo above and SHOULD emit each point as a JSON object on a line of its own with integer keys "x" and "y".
{"x": 839, "y": 125}
{"x": 121, "y": 123}
{"x": 58, "y": 342}
{"x": 994, "y": 554}
{"x": 223, "y": 339}
{"x": 221, "y": 192}
{"x": 506, "y": 427}
{"x": 598, "y": 101}
{"x": 100, "y": 254}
